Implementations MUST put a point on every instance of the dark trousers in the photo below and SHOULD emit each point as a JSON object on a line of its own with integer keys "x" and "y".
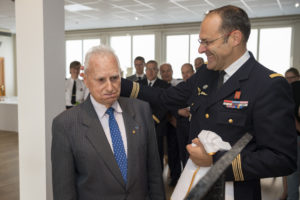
{"x": 173, "y": 153}
{"x": 183, "y": 129}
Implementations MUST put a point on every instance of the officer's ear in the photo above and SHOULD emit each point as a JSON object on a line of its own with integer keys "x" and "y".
{"x": 236, "y": 37}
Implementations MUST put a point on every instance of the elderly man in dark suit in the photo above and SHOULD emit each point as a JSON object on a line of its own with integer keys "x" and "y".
{"x": 105, "y": 148}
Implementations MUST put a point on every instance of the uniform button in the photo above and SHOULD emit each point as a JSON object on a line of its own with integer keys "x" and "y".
{"x": 230, "y": 121}
{"x": 206, "y": 115}
{"x": 192, "y": 104}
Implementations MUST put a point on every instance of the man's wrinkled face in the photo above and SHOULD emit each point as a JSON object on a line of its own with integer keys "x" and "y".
{"x": 166, "y": 72}
{"x": 103, "y": 78}
{"x": 186, "y": 72}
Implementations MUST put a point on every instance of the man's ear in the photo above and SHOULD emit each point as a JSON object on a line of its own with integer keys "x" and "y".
{"x": 236, "y": 37}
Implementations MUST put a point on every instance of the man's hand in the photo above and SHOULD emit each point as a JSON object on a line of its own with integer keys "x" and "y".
{"x": 184, "y": 112}
{"x": 198, "y": 154}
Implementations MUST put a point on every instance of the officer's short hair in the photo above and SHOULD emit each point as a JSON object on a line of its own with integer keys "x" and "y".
{"x": 152, "y": 62}
{"x": 233, "y": 18}
{"x": 140, "y": 58}
{"x": 75, "y": 65}
{"x": 294, "y": 71}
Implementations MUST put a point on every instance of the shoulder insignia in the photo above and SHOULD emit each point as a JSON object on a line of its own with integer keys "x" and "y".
{"x": 275, "y": 75}
{"x": 155, "y": 119}
{"x": 135, "y": 90}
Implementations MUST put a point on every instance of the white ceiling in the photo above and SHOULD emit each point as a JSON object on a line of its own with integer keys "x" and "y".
{"x": 122, "y": 13}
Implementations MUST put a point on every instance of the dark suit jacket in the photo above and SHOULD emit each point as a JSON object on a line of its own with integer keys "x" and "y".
{"x": 158, "y": 111}
{"x": 267, "y": 114}
{"x": 134, "y": 77}
{"x": 83, "y": 164}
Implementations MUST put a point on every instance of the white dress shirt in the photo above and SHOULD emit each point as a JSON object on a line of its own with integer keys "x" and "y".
{"x": 235, "y": 66}
{"x": 152, "y": 82}
{"x": 81, "y": 91}
{"x": 103, "y": 118}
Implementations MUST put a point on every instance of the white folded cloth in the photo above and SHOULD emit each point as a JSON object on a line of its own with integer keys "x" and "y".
{"x": 192, "y": 173}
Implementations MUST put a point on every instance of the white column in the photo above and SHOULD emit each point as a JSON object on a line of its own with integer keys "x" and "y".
{"x": 40, "y": 73}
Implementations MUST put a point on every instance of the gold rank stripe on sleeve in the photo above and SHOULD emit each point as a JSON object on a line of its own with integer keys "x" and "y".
{"x": 237, "y": 169}
{"x": 135, "y": 90}
{"x": 275, "y": 75}
{"x": 155, "y": 119}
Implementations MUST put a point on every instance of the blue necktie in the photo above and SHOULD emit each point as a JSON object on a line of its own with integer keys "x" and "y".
{"x": 117, "y": 142}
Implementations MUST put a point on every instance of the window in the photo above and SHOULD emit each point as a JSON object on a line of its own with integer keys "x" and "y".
{"x": 194, "y": 46}
{"x": 252, "y": 42}
{"x": 73, "y": 52}
{"x": 122, "y": 47}
{"x": 142, "y": 45}
{"x": 275, "y": 48}
{"x": 76, "y": 50}
{"x": 177, "y": 52}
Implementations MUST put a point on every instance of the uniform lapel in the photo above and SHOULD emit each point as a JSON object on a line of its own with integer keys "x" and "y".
{"x": 97, "y": 138}
{"x": 232, "y": 84}
{"x": 132, "y": 132}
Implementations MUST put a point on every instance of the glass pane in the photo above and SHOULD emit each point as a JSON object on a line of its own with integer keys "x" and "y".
{"x": 177, "y": 52}
{"x": 275, "y": 48}
{"x": 73, "y": 52}
{"x": 122, "y": 47}
{"x": 143, "y": 45}
{"x": 194, "y": 46}
{"x": 87, "y": 44}
{"x": 252, "y": 42}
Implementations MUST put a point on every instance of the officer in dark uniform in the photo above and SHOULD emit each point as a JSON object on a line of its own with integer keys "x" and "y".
{"x": 233, "y": 95}
{"x": 159, "y": 115}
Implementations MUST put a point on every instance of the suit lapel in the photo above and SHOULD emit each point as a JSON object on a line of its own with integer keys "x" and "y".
{"x": 132, "y": 132}
{"x": 97, "y": 138}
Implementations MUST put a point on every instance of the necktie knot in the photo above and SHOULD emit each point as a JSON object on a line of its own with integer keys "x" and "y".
{"x": 110, "y": 111}
{"x": 221, "y": 78}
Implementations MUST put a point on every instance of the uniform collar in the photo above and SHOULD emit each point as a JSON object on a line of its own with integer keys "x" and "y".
{"x": 236, "y": 65}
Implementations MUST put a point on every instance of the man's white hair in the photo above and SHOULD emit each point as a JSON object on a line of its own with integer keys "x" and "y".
{"x": 100, "y": 50}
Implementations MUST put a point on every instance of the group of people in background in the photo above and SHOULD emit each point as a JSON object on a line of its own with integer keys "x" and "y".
{"x": 111, "y": 147}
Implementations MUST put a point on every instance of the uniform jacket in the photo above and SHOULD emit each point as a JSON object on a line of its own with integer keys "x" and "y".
{"x": 158, "y": 112}
{"x": 255, "y": 100}
{"x": 81, "y": 91}
{"x": 83, "y": 164}
{"x": 134, "y": 77}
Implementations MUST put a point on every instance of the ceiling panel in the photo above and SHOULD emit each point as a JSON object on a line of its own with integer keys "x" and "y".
{"x": 120, "y": 13}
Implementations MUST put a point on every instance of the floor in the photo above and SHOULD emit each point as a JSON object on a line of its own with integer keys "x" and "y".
{"x": 9, "y": 175}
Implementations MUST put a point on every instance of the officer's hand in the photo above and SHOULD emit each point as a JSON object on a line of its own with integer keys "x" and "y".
{"x": 198, "y": 154}
{"x": 184, "y": 112}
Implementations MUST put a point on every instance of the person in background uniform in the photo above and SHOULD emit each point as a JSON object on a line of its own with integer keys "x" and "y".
{"x": 75, "y": 90}
{"x": 182, "y": 118}
{"x": 139, "y": 64}
{"x": 166, "y": 73}
{"x": 199, "y": 62}
{"x": 291, "y": 182}
{"x": 232, "y": 95}
{"x": 159, "y": 115}
{"x": 105, "y": 148}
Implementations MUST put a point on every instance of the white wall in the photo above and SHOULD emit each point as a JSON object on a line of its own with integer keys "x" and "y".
{"x": 7, "y": 51}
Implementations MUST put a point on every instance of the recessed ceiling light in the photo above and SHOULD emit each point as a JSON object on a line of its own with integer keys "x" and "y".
{"x": 297, "y": 5}
{"x": 77, "y": 7}
{"x": 136, "y": 18}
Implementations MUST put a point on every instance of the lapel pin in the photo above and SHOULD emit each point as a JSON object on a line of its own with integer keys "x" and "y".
{"x": 237, "y": 95}
{"x": 199, "y": 91}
